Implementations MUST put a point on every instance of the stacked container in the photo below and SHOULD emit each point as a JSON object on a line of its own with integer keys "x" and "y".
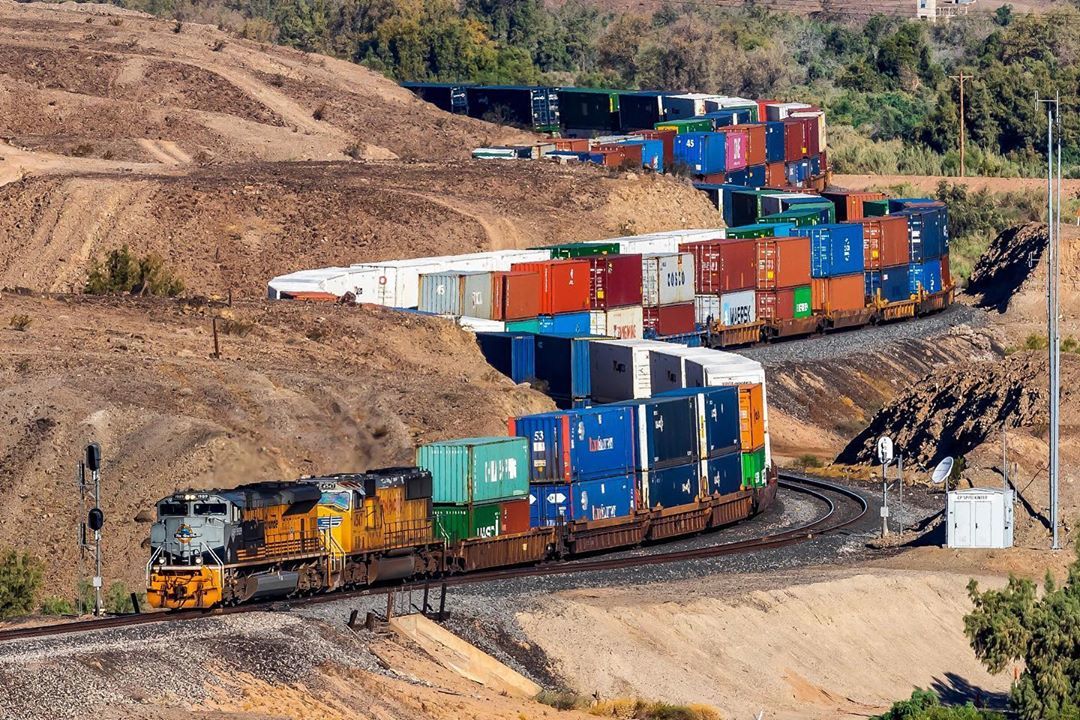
{"x": 615, "y": 291}
{"x": 887, "y": 253}
{"x": 667, "y": 294}
{"x": 783, "y": 278}
{"x": 837, "y": 264}
{"x": 563, "y": 295}
{"x": 711, "y": 152}
{"x": 620, "y": 370}
{"x": 480, "y": 486}
{"x": 512, "y": 354}
{"x": 928, "y": 235}
{"x": 724, "y": 276}
{"x": 563, "y": 367}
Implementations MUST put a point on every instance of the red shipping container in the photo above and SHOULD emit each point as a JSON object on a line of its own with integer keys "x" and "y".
{"x": 515, "y": 295}
{"x": 849, "y": 203}
{"x": 514, "y": 516}
{"x": 614, "y": 281}
{"x": 774, "y": 305}
{"x": 755, "y": 148}
{"x": 782, "y": 262}
{"x": 824, "y": 163}
{"x": 632, "y": 152}
{"x": 572, "y": 144}
{"x": 885, "y": 241}
{"x": 564, "y": 284}
{"x": 722, "y": 266}
{"x": 670, "y": 319}
{"x": 946, "y": 274}
{"x": 794, "y": 139}
{"x": 714, "y": 178}
{"x": 812, "y": 136}
{"x": 666, "y": 137}
{"x": 776, "y": 175}
{"x": 611, "y": 158}
{"x": 843, "y": 292}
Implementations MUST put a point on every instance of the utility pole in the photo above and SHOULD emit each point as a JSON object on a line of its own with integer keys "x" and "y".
{"x": 961, "y": 78}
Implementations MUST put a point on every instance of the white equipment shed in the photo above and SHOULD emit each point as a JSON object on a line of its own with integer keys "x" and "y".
{"x": 980, "y": 518}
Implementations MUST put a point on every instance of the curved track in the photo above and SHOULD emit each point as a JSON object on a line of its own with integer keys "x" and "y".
{"x": 830, "y": 521}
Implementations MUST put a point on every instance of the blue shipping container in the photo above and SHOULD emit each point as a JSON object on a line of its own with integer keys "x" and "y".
{"x": 835, "y": 249}
{"x": 891, "y": 281}
{"x": 725, "y": 474}
{"x": 565, "y": 324}
{"x": 774, "y": 142}
{"x": 512, "y": 354}
{"x": 897, "y": 204}
{"x": 739, "y": 177}
{"x": 815, "y": 166}
{"x": 599, "y": 499}
{"x": 718, "y": 418}
{"x": 672, "y": 486}
{"x": 666, "y": 431}
{"x": 757, "y": 175}
{"x": 781, "y": 229}
{"x": 703, "y": 153}
{"x": 926, "y": 274}
{"x": 791, "y": 172}
{"x": 928, "y": 232}
{"x": 562, "y": 361}
{"x": 572, "y": 445}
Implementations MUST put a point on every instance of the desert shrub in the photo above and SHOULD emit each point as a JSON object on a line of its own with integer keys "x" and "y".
{"x": 218, "y": 45}
{"x": 116, "y": 22}
{"x": 20, "y": 322}
{"x": 117, "y": 599}
{"x": 1036, "y": 342}
{"x": 236, "y": 326}
{"x": 563, "y": 699}
{"x": 638, "y": 709}
{"x": 54, "y": 605}
{"x": 320, "y": 112}
{"x": 925, "y": 705}
{"x": 20, "y": 581}
{"x": 122, "y": 272}
{"x": 808, "y": 461}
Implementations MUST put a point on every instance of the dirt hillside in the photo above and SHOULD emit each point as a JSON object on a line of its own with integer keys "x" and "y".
{"x": 299, "y": 389}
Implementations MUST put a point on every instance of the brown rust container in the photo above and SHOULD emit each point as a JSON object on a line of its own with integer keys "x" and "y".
{"x": 812, "y": 136}
{"x": 515, "y": 295}
{"x": 946, "y": 273}
{"x": 514, "y": 516}
{"x": 572, "y": 144}
{"x": 885, "y": 241}
{"x": 755, "y": 148}
{"x": 714, "y": 178}
{"x": 840, "y": 293}
{"x": 776, "y": 175}
{"x": 722, "y": 266}
{"x": 849, "y": 204}
{"x": 670, "y": 319}
{"x": 782, "y": 262}
{"x": 794, "y": 139}
{"x": 631, "y": 153}
{"x": 564, "y": 284}
{"x": 614, "y": 281}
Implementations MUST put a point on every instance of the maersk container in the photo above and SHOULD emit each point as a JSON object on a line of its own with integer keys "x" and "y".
{"x": 571, "y": 445}
{"x": 562, "y": 361}
{"x": 623, "y": 323}
{"x": 667, "y": 279}
{"x": 512, "y": 354}
{"x": 892, "y": 282}
{"x": 476, "y": 470}
{"x": 724, "y": 474}
{"x": 753, "y": 469}
{"x": 577, "y": 323}
{"x": 666, "y": 431}
{"x": 672, "y": 486}
{"x": 835, "y": 249}
{"x": 718, "y": 418}
{"x": 774, "y": 142}
{"x": 738, "y": 308}
{"x": 619, "y": 369}
{"x": 584, "y": 500}
{"x": 926, "y": 276}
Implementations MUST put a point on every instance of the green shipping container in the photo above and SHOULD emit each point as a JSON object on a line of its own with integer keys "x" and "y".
{"x": 750, "y": 232}
{"x": 803, "y": 302}
{"x": 576, "y": 250}
{"x": 875, "y": 208}
{"x": 477, "y": 470}
{"x": 529, "y": 325}
{"x": 688, "y": 125}
{"x": 753, "y": 469}
{"x": 803, "y": 217}
{"x": 459, "y": 522}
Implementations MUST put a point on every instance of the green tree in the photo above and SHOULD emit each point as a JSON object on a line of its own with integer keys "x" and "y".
{"x": 925, "y": 705}
{"x": 1003, "y": 15}
{"x": 1014, "y": 626}
{"x": 122, "y": 272}
{"x": 20, "y": 581}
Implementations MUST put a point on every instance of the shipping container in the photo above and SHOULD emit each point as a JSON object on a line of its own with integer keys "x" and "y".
{"x": 619, "y": 369}
{"x": 928, "y": 231}
{"x": 706, "y": 309}
{"x": 477, "y": 295}
{"x": 753, "y": 469}
{"x": 751, "y": 402}
{"x": 512, "y": 354}
{"x": 738, "y": 308}
{"x": 533, "y": 108}
{"x": 449, "y": 97}
{"x": 719, "y": 419}
{"x": 515, "y": 295}
{"x": 667, "y": 279}
{"x": 667, "y": 143}
{"x": 835, "y": 249}
{"x": 885, "y": 241}
{"x": 776, "y": 111}
{"x": 473, "y": 324}
{"x": 784, "y": 303}
{"x": 782, "y": 262}
{"x": 775, "y": 142}
{"x": 755, "y": 148}
{"x": 527, "y": 325}
{"x": 925, "y": 276}
{"x": 589, "y": 109}
{"x": 724, "y": 474}
{"x": 652, "y": 153}
{"x": 686, "y": 105}
{"x": 584, "y": 500}
{"x": 669, "y": 320}
{"x": 777, "y": 202}
{"x": 571, "y": 145}
{"x": 632, "y": 153}
{"x": 454, "y": 523}
{"x": 441, "y": 293}
{"x": 687, "y": 125}
{"x": 722, "y": 266}
{"x": 476, "y": 470}
{"x": 819, "y": 137}
{"x": 672, "y": 486}
{"x": 564, "y": 284}
{"x": 640, "y": 110}
{"x": 565, "y": 251}
{"x": 667, "y": 366}
{"x": 760, "y": 230}
{"x": 623, "y": 323}
{"x": 801, "y": 216}
{"x": 876, "y": 208}
{"x": 826, "y": 210}
{"x": 849, "y": 203}
{"x": 891, "y": 282}
{"x": 794, "y": 140}
{"x": 839, "y": 292}
{"x": 711, "y": 152}
{"x": 730, "y": 369}
{"x": 946, "y": 274}
{"x": 775, "y": 174}
{"x": 615, "y": 281}
{"x": 665, "y": 431}
{"x": 562, "y": 363}
{"x": 577, "y": 323}
{"x": 812, "y": 135}
{"x": 745, "y": 207}
{"x": 571, "y": 445}
{"x": 756, "y": 176}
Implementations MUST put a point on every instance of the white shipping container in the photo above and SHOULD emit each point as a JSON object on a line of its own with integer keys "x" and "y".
{"x": 667, "y": 366}
{"x": 706, "y": 307}
{"x": 780, "y": 111}
{"x": 667, "y": 279}
{"x": 687, "y": 105}
{"x": 624, "y": 323}
{"x": 738, "y": 308}
{"x": 726, "y": 368}
{"x": 333, "y": 280}
{"x": 620, "y": 369}
{"x": 475, "y": 324}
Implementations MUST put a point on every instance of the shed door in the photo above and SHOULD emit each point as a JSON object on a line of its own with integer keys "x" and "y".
{"x": 984, "y": 513}
{"x": 962, "y": 523}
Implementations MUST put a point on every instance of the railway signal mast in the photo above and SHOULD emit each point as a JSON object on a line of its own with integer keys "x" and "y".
{"x": 95, "y": 518}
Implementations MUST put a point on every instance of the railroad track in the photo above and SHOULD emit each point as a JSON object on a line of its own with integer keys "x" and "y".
{"x": 818, "y": 489}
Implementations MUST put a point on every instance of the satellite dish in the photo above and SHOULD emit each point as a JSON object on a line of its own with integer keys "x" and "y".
{"x": 942, "y": 471}
{"x": 885, "y": 450}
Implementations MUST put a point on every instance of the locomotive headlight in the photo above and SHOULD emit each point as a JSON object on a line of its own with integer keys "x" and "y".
{"x": 198, "y": 560}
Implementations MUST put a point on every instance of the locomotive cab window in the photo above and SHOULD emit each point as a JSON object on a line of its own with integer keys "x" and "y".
{"x": 172, "y": 510}
{"x": 210, "y": 508}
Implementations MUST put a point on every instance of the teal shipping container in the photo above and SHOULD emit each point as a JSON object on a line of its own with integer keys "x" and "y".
{"x": 476, "y": 470}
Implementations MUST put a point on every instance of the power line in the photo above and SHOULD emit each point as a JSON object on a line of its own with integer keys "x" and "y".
{"x": 961, "y": 78}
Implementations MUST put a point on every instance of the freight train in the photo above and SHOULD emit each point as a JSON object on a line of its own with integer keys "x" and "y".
{"x": 561, "y": 485}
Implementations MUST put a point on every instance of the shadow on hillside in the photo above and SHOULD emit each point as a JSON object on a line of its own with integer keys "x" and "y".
{"x": 956, "y": 690}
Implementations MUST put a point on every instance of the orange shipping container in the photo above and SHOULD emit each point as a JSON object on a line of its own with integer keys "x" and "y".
{"x": 564, "y": 284}
{"x": 849, "y": 204}
{"x": 946, "y": 274}
{"x": 572, "y": 144}
{"x": 783, "y": 262}
{"x": 840, "y": 293}
{"x": 776, "y": 175}
{"x": 755, "y": 147}
{"x": 515, "y": 295}
{"x": 751, "y": 417}
{"x": 885, "y": 241}
{"x": 714, "y": 178}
